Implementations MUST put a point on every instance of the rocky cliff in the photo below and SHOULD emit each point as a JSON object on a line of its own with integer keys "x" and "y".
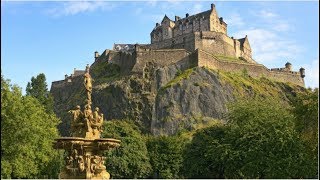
{"x": 164, "y": 100}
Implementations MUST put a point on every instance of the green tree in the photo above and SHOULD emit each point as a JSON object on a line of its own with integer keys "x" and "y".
{"x": 259, "y": 141}
{"x": 38, "y": 88}
{"x": 27, "y": 134}
{"x": 131, "y": 159}
{"x": 305, "y": 110}
{"x": 165, "y": 154}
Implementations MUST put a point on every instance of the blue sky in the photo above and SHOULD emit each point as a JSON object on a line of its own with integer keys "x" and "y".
{"x": 55, "y": 37}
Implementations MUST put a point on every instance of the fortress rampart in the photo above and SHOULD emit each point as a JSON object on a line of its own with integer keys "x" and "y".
{"x": 255, "y": 70}
{"x": 196, "y": 40}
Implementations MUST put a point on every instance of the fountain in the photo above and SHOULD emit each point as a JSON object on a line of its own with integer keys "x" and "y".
{"x": 85, "y": 148}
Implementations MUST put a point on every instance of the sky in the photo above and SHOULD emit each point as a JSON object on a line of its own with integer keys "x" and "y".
{"x": 54, "y": 37}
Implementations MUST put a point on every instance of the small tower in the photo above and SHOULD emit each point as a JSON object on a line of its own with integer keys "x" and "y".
{"x": 96, "y": 55}
{"x": 288, "y": 66}
{"x": 66, "y": 76}
{"x": 302, "y": 72}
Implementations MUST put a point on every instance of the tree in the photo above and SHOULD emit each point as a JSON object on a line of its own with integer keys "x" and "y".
{"x": 259, "y": 141}
{"x": 27, "y": 134}
{"x": 38, "y": 88}
{"x": 130, "y": 160}
{"x": 165, "y": 154}
{"x": 305, "y": 110}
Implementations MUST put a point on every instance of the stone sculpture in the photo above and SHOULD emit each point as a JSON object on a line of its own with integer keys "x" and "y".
{"x": 84, "y": 148}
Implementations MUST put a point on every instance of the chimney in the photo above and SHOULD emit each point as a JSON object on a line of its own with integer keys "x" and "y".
{"x": 157, "y": 24}
{"x": 187, "y": 15}
{"x": 176, "y": 18}
{"x": 212, "y": 6}
{"x": 302, "y": 72}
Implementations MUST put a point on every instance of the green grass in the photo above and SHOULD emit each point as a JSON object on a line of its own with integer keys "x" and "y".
{"x": 229, "y": 58}
{"x": 179, "y": 77}
{"x": 103, "y": 72}
{"x": 244, "y": 85}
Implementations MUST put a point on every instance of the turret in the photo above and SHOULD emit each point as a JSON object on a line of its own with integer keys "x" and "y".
{"x": 96, "y": 55}
{"x": 288, "y": 66}
{"x": 302, "y": 72}
{"x": 212, "y": 6}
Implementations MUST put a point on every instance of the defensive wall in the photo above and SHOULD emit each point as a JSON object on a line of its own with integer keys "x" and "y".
{"x": 255, "y": 70}
{"x": 137, "y": 62}
{"x": 213, "y": 42}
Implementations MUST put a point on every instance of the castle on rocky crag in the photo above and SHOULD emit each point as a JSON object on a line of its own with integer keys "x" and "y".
{"x": 195, "y": 40}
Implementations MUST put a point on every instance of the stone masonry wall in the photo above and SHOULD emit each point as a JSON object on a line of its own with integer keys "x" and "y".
{"x": 185, "y": 41}
{"x": 255, "y": 70}
{"x": 162, "y": 57}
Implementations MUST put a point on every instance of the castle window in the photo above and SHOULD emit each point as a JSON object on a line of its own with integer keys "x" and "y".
{"x": 166, "y": 32}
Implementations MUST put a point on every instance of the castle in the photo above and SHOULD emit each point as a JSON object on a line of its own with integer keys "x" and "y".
{"x": 195, "y": 40}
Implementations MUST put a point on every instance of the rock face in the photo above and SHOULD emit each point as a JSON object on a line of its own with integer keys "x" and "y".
{"x": 163, "y": 100}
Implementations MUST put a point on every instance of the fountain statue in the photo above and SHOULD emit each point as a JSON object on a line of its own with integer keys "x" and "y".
{"x": 85, "y": 147}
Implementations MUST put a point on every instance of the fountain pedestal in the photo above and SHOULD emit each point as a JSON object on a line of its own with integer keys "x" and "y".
{"x": 85, "y": 148}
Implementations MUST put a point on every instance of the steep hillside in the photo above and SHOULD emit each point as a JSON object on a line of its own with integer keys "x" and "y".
{"x": 166, "y": 99}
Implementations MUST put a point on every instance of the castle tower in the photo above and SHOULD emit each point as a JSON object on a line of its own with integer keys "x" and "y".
{"x": 302, "y": 72}
{"x": 288, "y": 66}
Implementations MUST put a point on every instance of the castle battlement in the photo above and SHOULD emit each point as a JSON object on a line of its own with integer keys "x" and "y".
{"x": 196, "y": 40}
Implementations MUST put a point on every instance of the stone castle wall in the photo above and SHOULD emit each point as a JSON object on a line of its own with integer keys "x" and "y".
{"x": 214, "y": 42}
{"x": 162, "y": 57}
{"x": 255, "y": 70}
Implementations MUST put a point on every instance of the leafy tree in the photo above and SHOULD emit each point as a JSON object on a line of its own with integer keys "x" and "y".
{"x": 166, "y": 156}
{"x": 131, "y": 159}
{"x": 27, "y": 134}
{"x": 38, "y": 88}
{"x": 259, "y": 141}
{"x": 305, "y": 110}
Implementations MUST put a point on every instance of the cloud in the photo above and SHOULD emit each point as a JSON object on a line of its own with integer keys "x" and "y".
{"x": 267, "y": 46}
{"x": 312, "y": 74}
{"x": 266, "y": 14}
{"x": 235, "y": 20}
{"x": 76, "y": 7}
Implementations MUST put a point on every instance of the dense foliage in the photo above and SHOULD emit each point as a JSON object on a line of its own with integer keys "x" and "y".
{"x": 259, "y": 141}
{"x": 165, "y": 154}
{"x": 38, "y": 88}
{"x": 131, "y": 159}
{"x": 27, "y": 134}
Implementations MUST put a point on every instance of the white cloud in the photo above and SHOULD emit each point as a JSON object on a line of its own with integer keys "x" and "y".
{"x": 312, "y": 74}
{"x": 266, "y": 14}
{"x": 75, "y": 7}
{"x": 235, "y": 20}
{"x": 268, "y": 46}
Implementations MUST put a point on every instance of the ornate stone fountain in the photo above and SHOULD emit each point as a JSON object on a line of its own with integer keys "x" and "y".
{"x": 85, "y": 148}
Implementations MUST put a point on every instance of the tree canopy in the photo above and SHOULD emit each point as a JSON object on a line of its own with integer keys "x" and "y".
{"x": 259, "y": 141}
{"x": 131, "y": 159}
{"x": 165, "y": 154}
{"x": 27, "y": 134}
{"x": 38, "y": 88}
